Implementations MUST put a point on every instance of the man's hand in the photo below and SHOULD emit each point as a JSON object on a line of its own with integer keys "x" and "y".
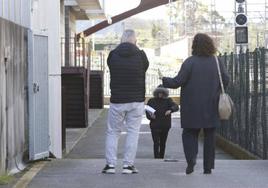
{"x": 168, "y": 113}
{"x": 160, "y": 75}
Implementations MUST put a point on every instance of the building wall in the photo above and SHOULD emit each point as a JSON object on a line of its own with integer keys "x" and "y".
{"x": 46, "y": 20}
{"x": 13, "y": 95}
{"x": 17, "y": 11}
{"x": 72, "y": 24}
{"x": 43, "y": 17}
{"x": 62, "y": 20}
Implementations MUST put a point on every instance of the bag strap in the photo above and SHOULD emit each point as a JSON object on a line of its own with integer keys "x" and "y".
{"x": 220, "y": 76}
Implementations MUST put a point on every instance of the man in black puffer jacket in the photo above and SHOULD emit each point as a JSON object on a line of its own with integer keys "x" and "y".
{"x": 128, "y": 66}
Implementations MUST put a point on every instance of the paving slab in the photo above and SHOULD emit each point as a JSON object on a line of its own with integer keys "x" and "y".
{"x": 93, "y": 143}
{"x": 73, "y": 135}
{"x": 85, "y": 173}
{"x": 82, "y": 167}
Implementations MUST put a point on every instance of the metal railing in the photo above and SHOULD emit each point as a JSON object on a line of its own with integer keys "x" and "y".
{"x": 248, "y": 88}
{"x": 75, "y": 53}
{"x": 98, "y": 61}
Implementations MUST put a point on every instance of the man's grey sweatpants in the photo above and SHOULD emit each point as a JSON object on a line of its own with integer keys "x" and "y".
{"x": 129, "y": 114}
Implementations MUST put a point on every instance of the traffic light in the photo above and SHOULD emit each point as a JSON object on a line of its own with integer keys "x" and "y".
{"x": 241, "y": 20}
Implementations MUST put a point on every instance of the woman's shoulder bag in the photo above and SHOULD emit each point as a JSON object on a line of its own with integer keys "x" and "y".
{"x": 225, "y": 101}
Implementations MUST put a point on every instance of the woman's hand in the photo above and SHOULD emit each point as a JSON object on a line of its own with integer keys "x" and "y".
{"x": 168, "y": 113}
{"x": 152, "y": 116}
{"x": 160, "y": 75}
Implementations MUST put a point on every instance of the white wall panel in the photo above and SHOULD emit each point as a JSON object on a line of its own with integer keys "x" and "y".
{"x": 55, "y": 38}
{"x": 55, "y": 115}
{"x": 6, "y": 9}
{"x": 38, "y": 20}
{"x": 62, "y": 20}
{"x": 1, "y": 8}
{"x": 25, "y": 12}
{"x": 12, "y": 10}
{"x": 55, "y": 124}
{"x": 46, "y": 18}
{"x": 17, "y": 11}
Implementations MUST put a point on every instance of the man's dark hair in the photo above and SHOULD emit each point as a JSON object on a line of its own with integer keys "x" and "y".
{"x": 203, "y": 45}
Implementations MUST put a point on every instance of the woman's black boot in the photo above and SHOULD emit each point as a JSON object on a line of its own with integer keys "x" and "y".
{"x": 190, "y": 168}
{"x": 207, "y": 171}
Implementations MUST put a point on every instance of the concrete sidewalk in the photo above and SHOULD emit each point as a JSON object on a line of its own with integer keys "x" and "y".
{"x": 93, "y": 143}
{"x": 73, "y": 135}
{"x": 82, "y": 168}
{"x": 85, "y": 173}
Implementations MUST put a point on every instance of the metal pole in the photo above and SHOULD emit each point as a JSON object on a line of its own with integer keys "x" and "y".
{"x": 245, "y": 47}
{"x": 264, "y": 118}
{"x": 83, "y": 52}
{"x": 67, "y": 36}
{"x": 266, "y": 25}
{"x": 93, "y": 37}
{"x": 258, "y": 40}
{"x": 75, "y": 52}
{"x": 170, "y": 12}
{"x": 235, "y": 12}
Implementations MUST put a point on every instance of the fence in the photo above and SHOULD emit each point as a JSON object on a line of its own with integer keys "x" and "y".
{"x": 75, "y": 56}
{"x": 248, "y": 89}
{"x": 75, "y": 53}
{"x": 98, "y": 61}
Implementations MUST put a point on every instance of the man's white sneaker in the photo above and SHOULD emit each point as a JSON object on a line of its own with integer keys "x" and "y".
{"x": 108, "y": 169}
{"x": 130, "y": 170}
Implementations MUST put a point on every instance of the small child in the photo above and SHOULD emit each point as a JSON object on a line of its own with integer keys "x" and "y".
{"x": 160, "y": 120}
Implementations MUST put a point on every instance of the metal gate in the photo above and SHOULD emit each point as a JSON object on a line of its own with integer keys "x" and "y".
{"x": 38, "y": 97}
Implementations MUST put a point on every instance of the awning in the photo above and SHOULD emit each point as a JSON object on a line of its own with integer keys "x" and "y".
{"x": 144, "y": 5}
{"x": 87, "y": 9}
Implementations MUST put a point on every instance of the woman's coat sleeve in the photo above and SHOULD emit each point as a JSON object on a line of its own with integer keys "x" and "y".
{"x": 180, "y": 79}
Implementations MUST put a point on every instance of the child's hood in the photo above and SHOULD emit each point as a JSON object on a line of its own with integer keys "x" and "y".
{"x": 161, "y": 89}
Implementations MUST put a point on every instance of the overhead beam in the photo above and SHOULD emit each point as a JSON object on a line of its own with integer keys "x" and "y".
{"x": 143, "y": 6}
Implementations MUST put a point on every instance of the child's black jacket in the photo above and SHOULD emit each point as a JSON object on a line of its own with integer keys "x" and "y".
{"x": 161, "y": 105}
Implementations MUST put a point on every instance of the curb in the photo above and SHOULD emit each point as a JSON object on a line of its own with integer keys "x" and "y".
{"x": 24, "y": 181}
{"x": 234, "y": 149}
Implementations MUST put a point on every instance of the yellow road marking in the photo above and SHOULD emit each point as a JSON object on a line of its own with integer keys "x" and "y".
{"x": 28, "y": 176}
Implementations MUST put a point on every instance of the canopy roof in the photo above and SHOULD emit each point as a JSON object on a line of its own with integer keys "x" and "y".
{"x": 87, "y": 9}
{"x": 144, "y": 5}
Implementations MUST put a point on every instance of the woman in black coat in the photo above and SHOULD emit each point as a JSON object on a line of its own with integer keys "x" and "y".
{"x": 200, "y": 90}
{"x": 160, "y": 121}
